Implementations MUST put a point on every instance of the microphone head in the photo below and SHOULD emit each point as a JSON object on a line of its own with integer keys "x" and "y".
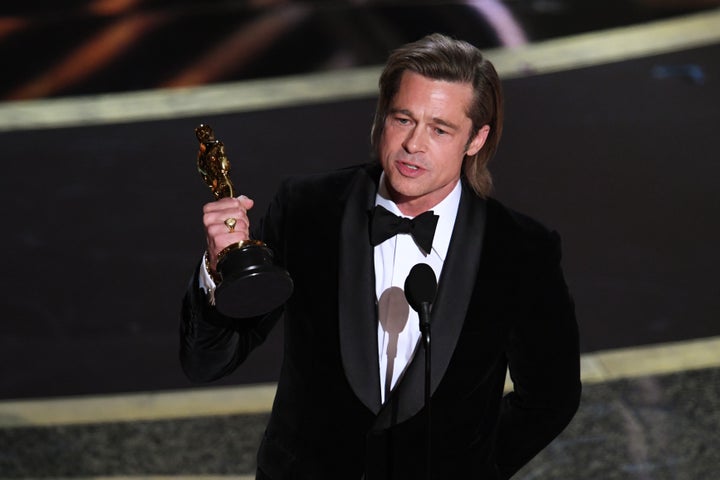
{"x": 420, "y": 286}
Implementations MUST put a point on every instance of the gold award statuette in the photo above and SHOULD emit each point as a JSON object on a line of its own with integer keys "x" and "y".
{"x": 250, "y": 283}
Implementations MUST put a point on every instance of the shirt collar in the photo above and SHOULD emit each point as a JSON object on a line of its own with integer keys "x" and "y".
{"x": 446, "y": 210}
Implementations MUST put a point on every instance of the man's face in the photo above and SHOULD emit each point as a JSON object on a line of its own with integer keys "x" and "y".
{"x": 425, "y": 139}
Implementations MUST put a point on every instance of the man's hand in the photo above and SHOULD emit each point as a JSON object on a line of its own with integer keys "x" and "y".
{"x": 219, "y": 235}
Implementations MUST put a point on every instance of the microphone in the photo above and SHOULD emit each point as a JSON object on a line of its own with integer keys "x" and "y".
{"x": 420, "y": 287}
{"x": 420, "y": 291}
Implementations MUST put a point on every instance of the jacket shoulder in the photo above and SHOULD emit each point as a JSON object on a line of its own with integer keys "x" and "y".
{"x": 523, "y": 233}
{"x": 328, "y": 184}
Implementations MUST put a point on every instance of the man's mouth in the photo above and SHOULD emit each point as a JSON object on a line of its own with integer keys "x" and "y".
{"x": 409, "y": 169}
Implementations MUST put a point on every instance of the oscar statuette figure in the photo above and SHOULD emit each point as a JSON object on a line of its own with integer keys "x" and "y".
{"x": 250, "y": 282}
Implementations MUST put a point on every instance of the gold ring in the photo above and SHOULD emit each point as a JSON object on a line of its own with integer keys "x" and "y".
{"x": 230, "y": 224}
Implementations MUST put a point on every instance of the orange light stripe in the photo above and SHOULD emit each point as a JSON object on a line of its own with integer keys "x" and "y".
{"x": 10, "y": 25}
{"x": 112, "y": 7}
{"x": 89, "y": 57}
{"x": 239, "y": 48}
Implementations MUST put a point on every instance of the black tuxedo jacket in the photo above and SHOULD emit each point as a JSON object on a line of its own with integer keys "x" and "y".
{"x": 501, "y": 301}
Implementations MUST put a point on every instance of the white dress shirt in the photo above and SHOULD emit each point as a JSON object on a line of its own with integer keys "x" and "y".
{"x": 393, "y": 260}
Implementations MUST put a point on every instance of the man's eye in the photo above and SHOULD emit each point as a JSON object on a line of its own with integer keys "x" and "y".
{"x": 440, "y": 131}
{"x": 402, "y": 121}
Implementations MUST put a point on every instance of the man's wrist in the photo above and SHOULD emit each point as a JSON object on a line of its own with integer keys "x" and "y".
{"x": 206, "y": 280}
{"x": 215, "y": 276}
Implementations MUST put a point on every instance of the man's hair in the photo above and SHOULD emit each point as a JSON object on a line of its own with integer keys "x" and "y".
{"x": 442, "y": 58}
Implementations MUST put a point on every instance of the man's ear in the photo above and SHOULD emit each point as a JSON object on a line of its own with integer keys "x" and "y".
{"x": 478, "y": 141}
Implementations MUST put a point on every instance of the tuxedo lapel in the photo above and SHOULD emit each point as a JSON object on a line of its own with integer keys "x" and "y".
{"x": 455, "y": 289}
{"x": 457, "y": 281}
{"x": 356, "y": 291}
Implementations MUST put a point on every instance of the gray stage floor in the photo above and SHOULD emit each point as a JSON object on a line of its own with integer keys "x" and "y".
{"x": 652, "y": 427}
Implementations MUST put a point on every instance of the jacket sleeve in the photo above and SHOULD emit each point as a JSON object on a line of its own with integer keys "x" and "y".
{"x": 544, "y": 364}
{"x": 213, "y": 345}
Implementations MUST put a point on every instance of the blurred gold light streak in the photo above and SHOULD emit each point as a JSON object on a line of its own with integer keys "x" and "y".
{"x": 239, "y": 48}
{"x": 90, "y": 57}
{"x": 112, "y": 7}
{"x": 9, "y": 25}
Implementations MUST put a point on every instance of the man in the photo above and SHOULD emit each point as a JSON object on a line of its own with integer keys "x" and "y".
{"x": 350, "y": 401}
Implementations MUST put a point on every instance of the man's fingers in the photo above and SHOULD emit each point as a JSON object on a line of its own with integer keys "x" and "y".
{"x": 241, "y": 202}
{"x": 219, "y": 230}
{"x": 215, "y": 213}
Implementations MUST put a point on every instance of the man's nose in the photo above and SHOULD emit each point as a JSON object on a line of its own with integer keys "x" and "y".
{"x": 415, "y": 141}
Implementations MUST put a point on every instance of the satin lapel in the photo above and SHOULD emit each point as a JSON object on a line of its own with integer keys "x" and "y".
{"x": 455, "y": 289}
{"x": 356, "y": 290}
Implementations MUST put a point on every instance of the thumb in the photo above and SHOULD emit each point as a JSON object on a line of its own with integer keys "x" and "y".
{"x": 246, "y": 202}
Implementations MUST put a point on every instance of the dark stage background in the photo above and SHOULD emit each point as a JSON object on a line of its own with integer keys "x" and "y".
{"x": 102, "y": 224}
{"x": 102, "y": 230}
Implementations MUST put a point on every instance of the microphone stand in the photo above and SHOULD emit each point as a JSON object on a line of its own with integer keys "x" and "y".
{"x": 420, "y": 291}
{"x": 424, "y": 314}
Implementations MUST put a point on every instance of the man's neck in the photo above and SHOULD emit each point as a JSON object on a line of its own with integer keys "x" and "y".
{"x": 412, "y": 206}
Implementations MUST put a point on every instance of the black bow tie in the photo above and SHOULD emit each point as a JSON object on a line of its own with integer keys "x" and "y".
{"x": 384, "y": 224}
